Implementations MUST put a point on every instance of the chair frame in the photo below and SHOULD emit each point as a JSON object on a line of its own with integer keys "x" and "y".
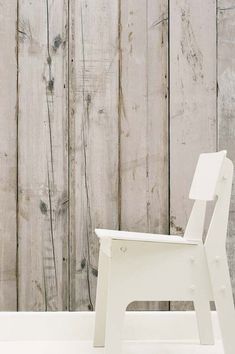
{"x": 185, "y": 269}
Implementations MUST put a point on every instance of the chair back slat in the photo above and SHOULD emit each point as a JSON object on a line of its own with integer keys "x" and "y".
{"x": 207, "y": 175}
{"x": 213, "y": 178}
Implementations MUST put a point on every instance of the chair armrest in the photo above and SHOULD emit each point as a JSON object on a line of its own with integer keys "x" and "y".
{"x": 144, "y": 237}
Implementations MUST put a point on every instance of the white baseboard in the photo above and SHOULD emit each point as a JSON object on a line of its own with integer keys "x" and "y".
{"x": 78, "y": 326}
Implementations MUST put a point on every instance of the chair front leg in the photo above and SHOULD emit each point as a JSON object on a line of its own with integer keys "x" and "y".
{"x": 116, "y": 308}
{"x": 116, "y": 303}
{"x": 101, "y": 300}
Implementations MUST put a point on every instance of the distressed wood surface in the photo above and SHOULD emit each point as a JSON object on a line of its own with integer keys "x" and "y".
{"x": 8, "y": 153}
{"x": 143, "y": 124}
{"x": 94, "y": 146}
{"x": 226, "y": 105}
{"x": 192, "y": 99}
{"x": 43, "y": 156}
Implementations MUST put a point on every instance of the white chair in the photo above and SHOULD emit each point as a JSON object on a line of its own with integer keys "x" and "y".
{"x": 147, "y": 267}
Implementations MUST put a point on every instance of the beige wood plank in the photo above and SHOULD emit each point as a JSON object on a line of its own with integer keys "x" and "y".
{"x": 8, "y": 153}
{"x": 226, "y": 105}
{"x": 93, "y": 139}
{"x": 192, "y": 99}
{"x": 43, "y": 155}
{"x": 144, "y": 122}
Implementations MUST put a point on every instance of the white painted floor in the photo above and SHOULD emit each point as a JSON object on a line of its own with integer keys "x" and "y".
{"x": 70, "y": 333}
{"x": 86, "y": 348}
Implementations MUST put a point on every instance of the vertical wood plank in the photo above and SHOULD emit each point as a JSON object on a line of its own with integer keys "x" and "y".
{"x": 144, "y": 122}
{"x": 43, "y": 155}
{"x": 192, "y": 98}
{"x": 8, "y": 153}
{"x": 93, "y": 139}
{"x": 226, "y": 105}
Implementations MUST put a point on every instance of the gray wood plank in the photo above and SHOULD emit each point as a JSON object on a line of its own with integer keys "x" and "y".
{"x": 43, "y": 155}
{"x": 93, "y": 68}
{"x": 8, "y": 155}
{"x": 144, "y": 122}
{"x": 192, "y": 99}
{"x": 226, "y": 106}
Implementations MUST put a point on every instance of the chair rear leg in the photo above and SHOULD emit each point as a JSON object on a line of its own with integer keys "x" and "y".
{"x": 204, "y": 321}
{"x": 224, "y": 304}
{"x": 101, "y": 300}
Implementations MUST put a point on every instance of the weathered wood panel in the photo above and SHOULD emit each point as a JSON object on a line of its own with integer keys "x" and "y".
{"x": 93, "y": 139}
{"x": 8, "y": 153}
{"x": 144, "y": 123}
{"x": 43, "y": 155}
{"x": 92, "y": 132}
{"x": 226, "y": 104}
{"x": 192, "y": 98}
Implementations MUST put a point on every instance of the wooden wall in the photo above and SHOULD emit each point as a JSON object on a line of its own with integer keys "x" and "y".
{"x": 104, "y": 108}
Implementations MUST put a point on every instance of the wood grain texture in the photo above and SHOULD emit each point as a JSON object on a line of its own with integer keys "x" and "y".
{"x": 192, "y": 99}
{"x": 8, "y": 154}
{"x": 87, "y": 117}
{"x": 144, "y": 123}
{"x": 226, "y": 105}
{"x": 43, "y": 155}
{"x": 93, "y": 139}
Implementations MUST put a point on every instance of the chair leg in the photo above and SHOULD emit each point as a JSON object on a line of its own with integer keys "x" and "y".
{"x": 101, "y": 300}
{"x": 114, "y": 324}
{"x": 204, "y": 321}
{"x": 116, "y": 307}
{"x": 224, "y": 305}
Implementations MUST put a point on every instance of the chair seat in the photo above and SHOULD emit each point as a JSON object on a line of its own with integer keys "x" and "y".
{"x": 144, "y": 237}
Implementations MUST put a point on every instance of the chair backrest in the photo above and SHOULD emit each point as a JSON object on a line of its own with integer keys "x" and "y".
{"x": 212, "y": 181}
{"x": 206, "y": 176}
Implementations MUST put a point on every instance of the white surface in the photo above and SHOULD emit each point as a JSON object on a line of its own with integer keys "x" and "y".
{"x": 70, "y": 333}
{"x": 139, "y": 236}
{"x": 206, "y": 176}
{"x": 86, "y": 348}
